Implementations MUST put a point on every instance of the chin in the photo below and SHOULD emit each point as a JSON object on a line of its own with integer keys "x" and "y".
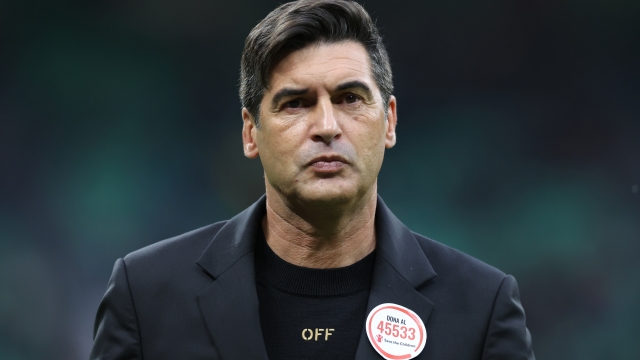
{"x": 329, "y": 194}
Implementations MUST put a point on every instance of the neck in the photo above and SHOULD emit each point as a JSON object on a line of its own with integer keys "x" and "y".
{"x": 320, "y": 236}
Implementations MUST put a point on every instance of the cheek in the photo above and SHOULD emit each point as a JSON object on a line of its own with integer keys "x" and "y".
{"x": 371, "y": 130}
{"x": 369, "y": 144}
{"x": 279, "y": 144}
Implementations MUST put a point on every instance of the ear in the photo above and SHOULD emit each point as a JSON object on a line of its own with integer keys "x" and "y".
{"x": 392, "y": 121}
{"x": 249, "y": 135}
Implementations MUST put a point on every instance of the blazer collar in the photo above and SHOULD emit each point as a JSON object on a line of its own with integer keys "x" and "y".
{"x": 396, "y": 244}
{"x": 401, "y": 267}
{"x": 234, "y": 240}
{"x": 230, "y": 305}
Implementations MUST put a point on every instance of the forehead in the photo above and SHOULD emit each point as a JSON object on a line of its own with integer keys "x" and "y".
{"x": 322, "y": 64}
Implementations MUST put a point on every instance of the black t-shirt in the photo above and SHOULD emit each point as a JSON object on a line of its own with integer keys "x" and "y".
{"x": 311, "y": 313}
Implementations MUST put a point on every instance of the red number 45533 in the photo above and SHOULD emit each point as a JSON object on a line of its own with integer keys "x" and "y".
{"x": 396, "y": 330}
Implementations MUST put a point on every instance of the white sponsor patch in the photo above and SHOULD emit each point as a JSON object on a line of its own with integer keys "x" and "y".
{"x": 396, "y": 332}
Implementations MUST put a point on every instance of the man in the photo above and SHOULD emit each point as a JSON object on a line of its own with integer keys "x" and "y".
{"x": 318, "y": 268}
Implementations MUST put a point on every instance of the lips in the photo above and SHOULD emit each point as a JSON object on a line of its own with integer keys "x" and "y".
{"x": 328, "y": 158}
{"x": 328, "y": 164}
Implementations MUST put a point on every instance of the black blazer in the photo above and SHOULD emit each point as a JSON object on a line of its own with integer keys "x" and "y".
{"x": 194, "y": 297}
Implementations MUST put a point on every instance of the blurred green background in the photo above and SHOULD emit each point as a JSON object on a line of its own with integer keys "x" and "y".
{"x": 518, "y": 143}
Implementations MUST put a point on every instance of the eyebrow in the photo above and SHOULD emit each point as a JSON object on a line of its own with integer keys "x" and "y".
{"x": 355, "y": 85}
{"x": 286, "y": 92}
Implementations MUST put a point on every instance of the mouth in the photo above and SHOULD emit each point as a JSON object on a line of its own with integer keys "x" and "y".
{"x": 328, "y": 163}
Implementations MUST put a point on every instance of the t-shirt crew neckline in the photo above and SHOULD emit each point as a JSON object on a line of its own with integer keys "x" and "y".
{"x": 297, "y": 280}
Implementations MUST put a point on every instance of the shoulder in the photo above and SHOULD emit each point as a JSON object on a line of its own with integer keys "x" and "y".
{"x": 454, "y": 267}
{"x": 190, "y": 241}
{"x": 175, "y": 251}
{"x": 477, "y": 308}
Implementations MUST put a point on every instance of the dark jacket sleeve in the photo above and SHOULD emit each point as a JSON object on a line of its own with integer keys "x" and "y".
{"x": 507, "y": 335}
{"x": 116, "y": 335}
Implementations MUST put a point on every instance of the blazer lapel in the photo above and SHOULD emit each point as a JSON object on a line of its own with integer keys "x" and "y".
{"x": 229, "y": 305}
{"x": 401, "y": 267}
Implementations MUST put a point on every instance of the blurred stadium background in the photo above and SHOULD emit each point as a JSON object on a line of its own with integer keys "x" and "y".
{"x": 518, "y": 143}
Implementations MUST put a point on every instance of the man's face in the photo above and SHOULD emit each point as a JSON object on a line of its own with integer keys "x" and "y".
{"x": 322, "y": 130}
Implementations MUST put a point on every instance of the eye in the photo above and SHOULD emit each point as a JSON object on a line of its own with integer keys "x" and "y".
{"x": 351, "y": 98}
{"x": 293, "y": 104}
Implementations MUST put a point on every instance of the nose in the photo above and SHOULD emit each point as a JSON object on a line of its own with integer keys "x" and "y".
{"x": 325, "y": 126}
